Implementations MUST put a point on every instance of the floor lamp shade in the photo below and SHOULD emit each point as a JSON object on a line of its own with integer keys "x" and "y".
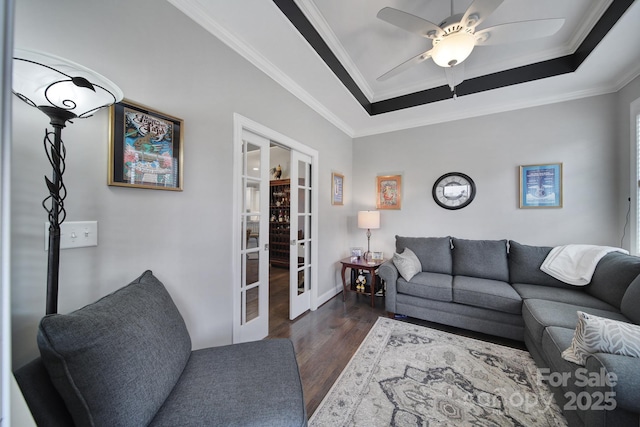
{"x": 47, "y": 81}
{"x": 63, "y": 90}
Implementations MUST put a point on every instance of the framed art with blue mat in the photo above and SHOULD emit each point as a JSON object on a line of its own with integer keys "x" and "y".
{"x": 541, "y": 186}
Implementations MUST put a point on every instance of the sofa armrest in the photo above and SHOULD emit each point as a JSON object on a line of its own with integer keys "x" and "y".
{"x": 389, "y": 273}
{"x": 627, "y": 378}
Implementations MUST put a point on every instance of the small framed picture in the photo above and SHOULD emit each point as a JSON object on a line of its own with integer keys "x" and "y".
{"x": 541, "y": 186}
{"x": 337, "y": 189}
{"x": 389, "y": 192}
{"x": 377, "y": 256}
{"x": 356, "y": 252}
{"x": 145, "y": 148}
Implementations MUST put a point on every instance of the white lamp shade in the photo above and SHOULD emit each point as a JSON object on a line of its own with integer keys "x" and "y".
{"x": 369, "y": 219}
{"x": 43, "y": 80}
{"x": 453, "y": 49}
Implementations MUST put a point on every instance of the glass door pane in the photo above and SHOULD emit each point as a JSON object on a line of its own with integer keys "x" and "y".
{"x": 300, "y": 236}
{"x": 252, "y": 291}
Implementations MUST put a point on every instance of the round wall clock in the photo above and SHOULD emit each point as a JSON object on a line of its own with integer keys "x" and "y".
{"x": 454, "y": 190}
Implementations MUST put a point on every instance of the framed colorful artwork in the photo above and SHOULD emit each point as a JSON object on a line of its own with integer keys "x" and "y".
{"x": 388, "y": 192}
{"x": 541, "y": 186}
{"x": 145, "y": 148}
{"x": 337, "y": 189}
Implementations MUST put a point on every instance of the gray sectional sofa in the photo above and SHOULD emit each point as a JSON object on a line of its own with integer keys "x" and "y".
{"x": 497, "y": 287}
{"x": 126, "y": 360}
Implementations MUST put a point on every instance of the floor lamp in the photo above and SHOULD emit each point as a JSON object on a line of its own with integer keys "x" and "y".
{"x": 369, "y": 220}
{"x": 63, "y": 91}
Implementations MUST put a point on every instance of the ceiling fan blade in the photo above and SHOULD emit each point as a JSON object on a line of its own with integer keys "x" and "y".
{"x": 405, "y": 65}
{"x": 518, "y": 31}
{"x": 478, "y": 11}
{"x": 409, "y": 22}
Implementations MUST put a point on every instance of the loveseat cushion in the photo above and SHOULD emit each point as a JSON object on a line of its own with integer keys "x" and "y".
{"x": 114, "y": 362}
{"x": 230, "y": 386}
{"x": 486, "y": 259}
{"x": 612, "y": 277}
{"x": 486, "y": 293}
{"x": 525, "y": 262}
{"x": 434, "y": 253}
{"x": 435, "y": 286}
{"x": 575, "y": 296}
{"x": 631, "y": 300}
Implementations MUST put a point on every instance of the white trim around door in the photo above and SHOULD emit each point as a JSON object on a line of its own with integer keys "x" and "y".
{"x": 243, "y": 124}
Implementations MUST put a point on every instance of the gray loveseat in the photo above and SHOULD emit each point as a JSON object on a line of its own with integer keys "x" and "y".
{"x": 126, "y": 360}
{"x": 497, "y": 287}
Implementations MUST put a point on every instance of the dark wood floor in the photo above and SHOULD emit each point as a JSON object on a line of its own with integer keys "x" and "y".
{"x": 326, "y": 339}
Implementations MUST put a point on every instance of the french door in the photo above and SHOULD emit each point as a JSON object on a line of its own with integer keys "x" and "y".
{"x": 300, "y": 235}
{"x": 250, "y": 262}
{"x": 252, "y": 290}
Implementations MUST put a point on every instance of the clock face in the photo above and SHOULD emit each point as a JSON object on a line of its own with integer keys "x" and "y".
{"x": 454, "y": 190}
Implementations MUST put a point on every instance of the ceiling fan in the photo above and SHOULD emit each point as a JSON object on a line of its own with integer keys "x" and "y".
{"x": 454, "y": 39}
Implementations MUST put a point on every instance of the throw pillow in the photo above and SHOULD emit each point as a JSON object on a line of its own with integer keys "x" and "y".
{"x": 407, "y": 263}
{"x": 600, "y": 335}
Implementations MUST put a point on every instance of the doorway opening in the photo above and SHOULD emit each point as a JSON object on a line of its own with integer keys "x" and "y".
{"x": 275, "y": 245}
{"x": 279, "y": 225}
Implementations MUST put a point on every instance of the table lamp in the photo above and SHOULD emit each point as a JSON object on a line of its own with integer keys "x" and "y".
{"x": 368, "y": 220}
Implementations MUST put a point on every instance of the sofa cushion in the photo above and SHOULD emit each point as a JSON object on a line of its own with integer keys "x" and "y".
{"x": 434, "y": 253}
{"x": 407, "y": 263}
{"x": 486, "y": 259}
{"x": 230, "y": 386}
{"x": 612, "y": 277}
{"x": 486, "y": 293}
{"x": 539, "y": 314}
{"x": 631, "y": 301}
{"x": 554, "y": 340}
{"x": 595, "y": 334}
{"x": 114, "y": 362}
{"x": 434, "y": 286}
{"x": 525, "y": 262}
{"x": 574, "y": 295}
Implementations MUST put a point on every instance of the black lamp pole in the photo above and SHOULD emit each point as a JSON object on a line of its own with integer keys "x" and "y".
{"x": 57, "y": 193}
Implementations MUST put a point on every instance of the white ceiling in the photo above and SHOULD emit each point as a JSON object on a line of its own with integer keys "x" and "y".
{"x": 368, "y": 47}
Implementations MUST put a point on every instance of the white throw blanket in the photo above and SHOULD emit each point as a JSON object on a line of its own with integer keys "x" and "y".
{"x": 575, "y": 264}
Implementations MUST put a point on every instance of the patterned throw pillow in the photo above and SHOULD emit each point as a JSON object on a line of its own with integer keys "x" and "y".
{"x": 600, "y": 335}
{"x": 407, "y": 263}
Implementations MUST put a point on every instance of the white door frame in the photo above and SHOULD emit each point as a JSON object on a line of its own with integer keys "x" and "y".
{"x": 241, "y": 123}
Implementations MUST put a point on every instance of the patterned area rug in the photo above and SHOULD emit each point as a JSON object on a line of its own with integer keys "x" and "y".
{"x": 408, "y": 375}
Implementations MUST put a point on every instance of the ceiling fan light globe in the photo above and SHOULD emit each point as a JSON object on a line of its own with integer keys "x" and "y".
{"x": 453, "y": 49}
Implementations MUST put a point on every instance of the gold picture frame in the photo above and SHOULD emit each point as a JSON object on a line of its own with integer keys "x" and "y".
{"x": 389, "y": 191}
{"x": 337, "y": 189}
{"x": 145, "y": 148}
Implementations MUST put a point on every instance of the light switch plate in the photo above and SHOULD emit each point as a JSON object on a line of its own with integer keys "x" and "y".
{"x": 74, "y": 234}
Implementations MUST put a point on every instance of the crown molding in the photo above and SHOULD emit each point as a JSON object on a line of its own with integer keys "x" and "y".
{"x": 194, "y": 10}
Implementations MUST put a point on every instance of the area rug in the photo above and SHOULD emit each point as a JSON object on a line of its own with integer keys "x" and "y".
{"x": 409, "y": 375}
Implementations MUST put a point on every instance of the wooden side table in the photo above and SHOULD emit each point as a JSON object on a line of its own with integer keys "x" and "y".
{"x": 361, "y": 264}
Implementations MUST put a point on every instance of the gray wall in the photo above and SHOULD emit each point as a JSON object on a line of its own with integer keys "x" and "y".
{"x": 159, "y": 58}
{"x": 581, "y": 134}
